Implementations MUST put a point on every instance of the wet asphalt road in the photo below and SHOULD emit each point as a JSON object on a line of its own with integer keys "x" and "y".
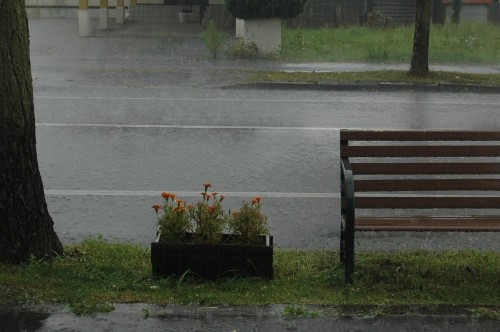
{"x": 115, "y": 128}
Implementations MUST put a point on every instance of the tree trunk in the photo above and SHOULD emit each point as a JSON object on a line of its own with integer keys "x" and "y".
{"x": 420, "y": 56}
{"x": 26, "y": 228}
{"x": 456, "y": 5}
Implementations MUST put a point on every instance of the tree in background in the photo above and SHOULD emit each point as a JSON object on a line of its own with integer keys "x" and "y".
{"x": 456, "y": 5}
{"x": 438, "y": 12}
{"x": 420, "y": 54}
{"x": 26, "y": 228}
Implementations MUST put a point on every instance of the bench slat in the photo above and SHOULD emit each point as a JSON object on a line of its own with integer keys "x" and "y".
{"x": 427, "y": 184}
{"x": 430, "y": 202}
{"x": 428, "y": 224}
{"x": 418, "y": 135}
{"x": 421, "y": 151}
{"x": 425, "y": 168}
{"x": 440, "y": 153}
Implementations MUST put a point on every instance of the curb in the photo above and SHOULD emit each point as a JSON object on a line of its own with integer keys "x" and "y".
{"x": 367, "y": 86}
{"x": 275, "y": 310}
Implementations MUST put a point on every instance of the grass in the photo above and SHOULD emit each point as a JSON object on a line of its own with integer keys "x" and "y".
{"x": 464, "y": 43}
{"x": 94, "y": 274}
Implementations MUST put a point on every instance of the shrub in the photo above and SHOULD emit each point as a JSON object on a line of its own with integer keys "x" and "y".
{"x": 240, "y": 50}
{"x": 174, "y": 221}
{"x": 214, "y": 40}
{"x": 206, "y": 220}
{"x": 248, "y": 223}
{"x": 284, "y": 9}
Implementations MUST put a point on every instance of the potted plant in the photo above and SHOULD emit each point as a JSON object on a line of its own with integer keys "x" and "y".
{"x": 207, "y": 241}
{"x": 186, "y": 15}
{"x": 262, "y": 20}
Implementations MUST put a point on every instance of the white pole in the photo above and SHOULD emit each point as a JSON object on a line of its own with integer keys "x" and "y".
{"x": 103, "y": 15}
{"x": 83, "y": 18}
{"x": 120, "y": 13}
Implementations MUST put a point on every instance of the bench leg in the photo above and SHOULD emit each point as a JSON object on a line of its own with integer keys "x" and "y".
{"x": 349, "y": 255}
{"x": 347, "y": 250}
{"x": 342, "y": 243}
{"x": 348, "y": 219}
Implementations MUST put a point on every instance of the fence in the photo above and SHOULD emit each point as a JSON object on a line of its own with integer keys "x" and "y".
{"x": 163, "y": 16}
{"x": 355, "y": 12}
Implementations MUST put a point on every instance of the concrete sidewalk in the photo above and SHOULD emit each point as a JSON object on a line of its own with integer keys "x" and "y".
{"x": 265, "y": 318}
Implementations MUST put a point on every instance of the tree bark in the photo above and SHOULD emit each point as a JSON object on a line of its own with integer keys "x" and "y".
{"x": 26, "y": 228}
{"x": 420, "y": 55}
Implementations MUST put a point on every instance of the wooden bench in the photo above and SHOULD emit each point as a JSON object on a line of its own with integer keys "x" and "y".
{"x": 417, "y": 180}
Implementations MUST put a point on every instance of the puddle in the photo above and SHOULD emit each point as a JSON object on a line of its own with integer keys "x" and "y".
{"x": 13, "y": 321}
{"x": 146, "y": 317}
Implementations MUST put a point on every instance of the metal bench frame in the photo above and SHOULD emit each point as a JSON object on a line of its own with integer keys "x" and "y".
{"x": 475, "y": 164}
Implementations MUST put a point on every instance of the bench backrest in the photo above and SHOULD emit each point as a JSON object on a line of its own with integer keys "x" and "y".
{"x": 420, "y": 163}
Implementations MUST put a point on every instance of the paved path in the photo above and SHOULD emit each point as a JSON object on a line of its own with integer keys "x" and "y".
{"x": 268, "y": 318}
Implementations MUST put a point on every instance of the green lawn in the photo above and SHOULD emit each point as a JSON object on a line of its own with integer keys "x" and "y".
{"x": 94, "y": 274}
{"x": 464, "y": 43}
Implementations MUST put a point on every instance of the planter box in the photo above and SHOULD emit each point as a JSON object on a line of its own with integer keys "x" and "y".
{"x": 213, "y": 260}
{"x": 265, "y": 33}
{"x": 185, "y": 17}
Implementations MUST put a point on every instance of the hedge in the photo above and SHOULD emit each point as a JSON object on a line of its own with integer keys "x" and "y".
{"x": 254, "y": 9}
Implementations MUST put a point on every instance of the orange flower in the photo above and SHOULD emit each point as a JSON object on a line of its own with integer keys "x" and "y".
{"x": 212, "y": 209}
{"x": 207, "y": 185}
{"x": 156, "y": 207}
{"x": 221, "y": 198}
{"x": 168, "y": 195}
{"x": 256, "y": 200}
{"x": 179, "y": 208}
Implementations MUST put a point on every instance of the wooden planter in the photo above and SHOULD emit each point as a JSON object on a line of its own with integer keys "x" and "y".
{"x": 213, "y": 260}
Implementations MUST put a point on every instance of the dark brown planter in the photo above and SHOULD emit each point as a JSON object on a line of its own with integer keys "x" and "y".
{"x": 213, "y": 260}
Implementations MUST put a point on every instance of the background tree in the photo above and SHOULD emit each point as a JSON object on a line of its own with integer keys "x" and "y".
{"x": 26, "y": 228}
{"x": 420, "y": 54}
{"x": 438, "y": 12}
{"x": 456, "y": 5}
